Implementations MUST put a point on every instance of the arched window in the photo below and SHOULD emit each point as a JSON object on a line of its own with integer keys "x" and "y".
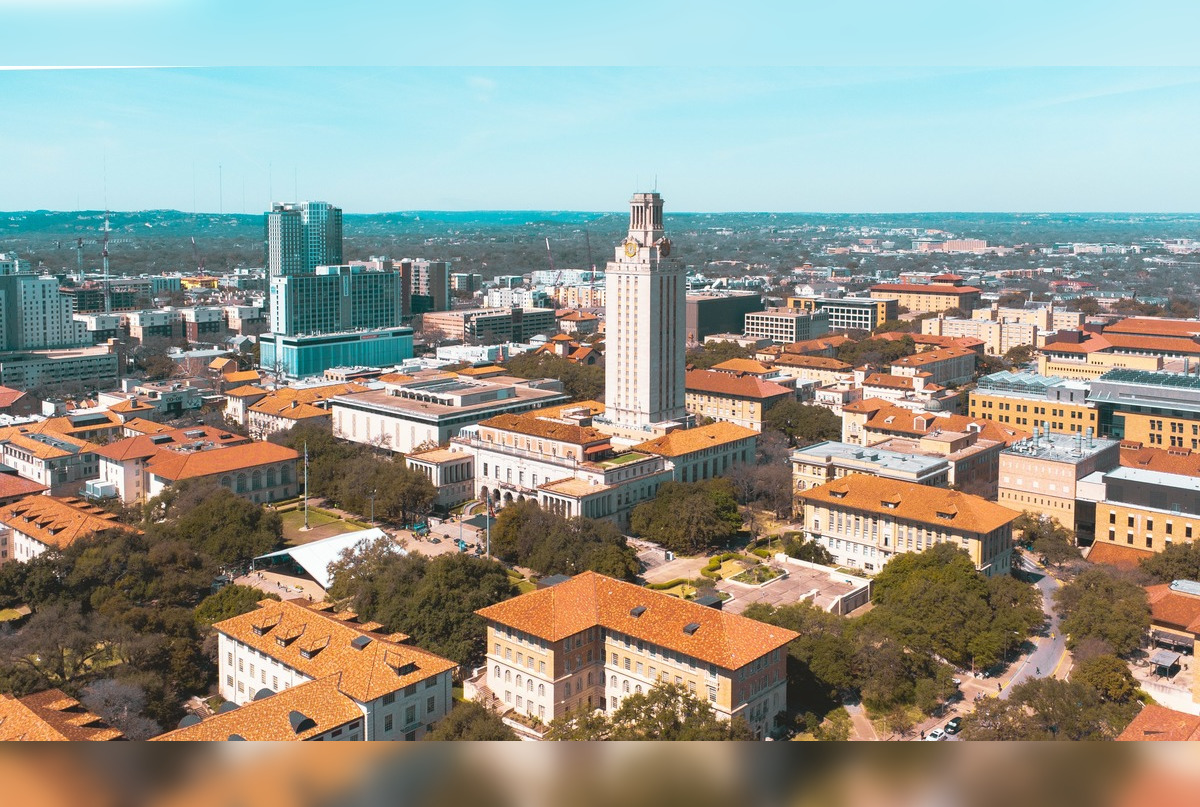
{"x": 285, "y": 474}
{"x": 530, "y": 686}
{"x": 227, "y": 482}
{"x": 625, "y": 686}
{"x": 541, "y": 690}
{"x": 256, "y": 480}
{"x": 518, "y": 682}
{"x": 272, "y": 481}
{"x": 612, "y": 682}
{"x": 508, "y": 675}
{"x": 638, "y": 689}
{"x": 241, "y": 483}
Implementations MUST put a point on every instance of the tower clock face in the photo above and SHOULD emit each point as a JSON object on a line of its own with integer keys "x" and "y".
{"x": 631, "y": 248}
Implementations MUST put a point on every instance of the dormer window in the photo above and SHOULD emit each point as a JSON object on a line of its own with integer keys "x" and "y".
{"x": 638, "y": 611}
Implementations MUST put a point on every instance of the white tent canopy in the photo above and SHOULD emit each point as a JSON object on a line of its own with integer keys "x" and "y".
{"x": 316, "y": 557}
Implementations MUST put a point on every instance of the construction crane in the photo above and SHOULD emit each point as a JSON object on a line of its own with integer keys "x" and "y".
{"x": 592, "y": 264}
{"x": 558, "y": 273}
{"x": 104, "y": 254}
{"x": 199, "y": 258}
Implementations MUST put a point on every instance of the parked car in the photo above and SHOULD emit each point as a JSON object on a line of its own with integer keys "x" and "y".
{"x": 954, "y": 725}
{"x": 935, "y": 735}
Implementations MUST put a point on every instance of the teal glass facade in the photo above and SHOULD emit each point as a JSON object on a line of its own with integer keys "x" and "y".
{"x": 303, "y": 356}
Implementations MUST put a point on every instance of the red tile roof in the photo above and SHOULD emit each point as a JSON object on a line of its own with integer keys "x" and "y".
{"x": 686, "y": 441}
{"x": 1157, "y": 723}
{"x": 177, "y": 465}
{"x": 589, "y": 600}
{"x": 923, "y": 504}
{"x": 1155, "y": 326}
{"x": 13, "y": 486}
{"x": 925, "y": 288}
{"x": 1154, "y": 344}
{"x": 1180, "y": 461}
{"x": 50, "y": 715}
{"x": 733, "y": 385}
{"x": 9, "y": 396}
{"x": 1117, "y": 555}
{"x": 57, "y": 522}
{"x": 1173, "y": 608}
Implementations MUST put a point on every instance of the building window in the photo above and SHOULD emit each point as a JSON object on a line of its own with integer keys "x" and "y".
{"x": 390, "y": 697}
{"x": 387, "y": 722}
{"x": 410, "y": 714}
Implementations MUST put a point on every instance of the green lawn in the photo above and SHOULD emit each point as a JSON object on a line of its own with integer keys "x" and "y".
{"x": 321, "y": 524}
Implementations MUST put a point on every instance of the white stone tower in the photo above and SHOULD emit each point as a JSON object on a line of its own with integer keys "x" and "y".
{"x": 644, "y": 328}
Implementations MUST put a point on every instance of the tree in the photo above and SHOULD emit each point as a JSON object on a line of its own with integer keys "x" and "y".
{"x": 433, "y": 601}
{"x": 1179, "y": 561}
{"x": 471, "y": 721}
{"x": 527, "y": 535}
{"x": 121, "y": 705}
{"x": 803, "y": 423}
{"x": 1109, "y": 676}
{"x": 713, "y": 353}
{"x": 936, "y": 602}
{"x": 1097, "y": 604}
{"x": 1048, "y": 709}
{"x": 878, "y": 352}
{"x": 582, "y": 382}
{"x": 1087, "y": 305}
{"x": 1020, "y": 354}
{"x": 795, "y": 546}
{"x": 666, "y": 712}
{"x": 59, "y": 646}
{"x": 229, "y": 602}
{"x": 896, "y": 326}
{"x": 1051, "y": 541}
{"x": 228, "y": 528}
{"x": 688, "y": 517}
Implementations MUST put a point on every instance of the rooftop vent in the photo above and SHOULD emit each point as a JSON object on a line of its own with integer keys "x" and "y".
{"x": 300, "y": 722}
{"x": 691, "y": 628}
{"x": 360, "y": 642}
{"x": 638, "y": 611}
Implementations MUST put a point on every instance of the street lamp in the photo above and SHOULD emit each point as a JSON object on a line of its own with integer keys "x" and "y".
{"x": 373, "y": 507}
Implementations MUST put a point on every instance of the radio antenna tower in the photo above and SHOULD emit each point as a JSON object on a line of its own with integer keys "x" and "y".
{"x": 104, "y": 254}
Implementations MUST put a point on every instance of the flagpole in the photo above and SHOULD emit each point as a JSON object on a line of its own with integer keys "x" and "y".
{"x": 306, "y": 484}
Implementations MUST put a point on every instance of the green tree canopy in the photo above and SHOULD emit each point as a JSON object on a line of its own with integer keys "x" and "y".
{"x": 803, "y": 423}
{"x": 1049, "y": 709}
{"x": 1051, "y": 541}
{"x": 712, "y": 353}
{"x": 878, "y": 352}
{"x": 581, "y": 382}
{"x": 471, "y": 721}
{"x": 1180, "y": 561}
{"x": 229, "y": 602}
{"x": 936, "y": 602}
{"x": 665, "y": 712}
{"x": 1099, "y": 605}
{"x": 432, "y": 600}
{"x": 527, "y": 535}
{"x": 689, "y": 517}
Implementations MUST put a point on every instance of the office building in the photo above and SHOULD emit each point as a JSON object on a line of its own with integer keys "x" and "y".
{"x": 429, "y": 284}
{"x": 334, "y": 299}
{"x": 1027, "y": 399}
{"x": 710, "y": 312}
{"x": 428, "y": 409}
{"x": 740, "y": 398}
{"x": 591, "y": 641}
{"x": 824, "y": 462}
{"x": 399, "y": 691}
{"x": 491, "y": 326}
{"x": 920, "y": 298}
{"x": 645, "y": 338}
{"x": 304, "y": 356}
{"x": 865, "y": 521}
{"x": 850, "y": 313}
{"x": 36, "y": 524}
{"x": 465, "y": 282}
{"x": 302, "y": 236}
{"x": 95, "y": 367}
{"x": 1041, "y": 474}
{"x": 946, "y": 366}
{"x": 783, "y": 326}
{"x": 1161, "y": 410}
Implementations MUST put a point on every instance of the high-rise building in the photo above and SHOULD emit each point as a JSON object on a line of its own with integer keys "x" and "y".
{"x": 429, "y": 282}
{"x": 302, "y": 236}
{"x": 645, "y": 314}
{"x": 34, "y": 313}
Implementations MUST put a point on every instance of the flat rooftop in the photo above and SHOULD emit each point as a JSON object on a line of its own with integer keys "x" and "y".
{"x": 849, "y": 453}
{"x": 1055, "y": 447}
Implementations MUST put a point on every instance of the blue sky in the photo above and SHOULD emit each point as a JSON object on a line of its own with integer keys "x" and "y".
{"x": 460, "y": 106}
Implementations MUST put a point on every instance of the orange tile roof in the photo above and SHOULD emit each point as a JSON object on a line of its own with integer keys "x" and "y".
{"x": 289, "y": 409}
{"x": 143, "y": 426}
{"x": 894, "y": 382}
{"x": 177, "y": 465}
{"x": 396, "y": 378}
{"x": 686, "y": 441}
{"x": 247, "y": 391}
{"x": 593, "y": 407}
{"x": 57, "y": 522}
{"x": 366, "y": 674}
{"x": 1159, "y": 723}
{"x": 1180, "y": 461}
{"x": 1173, "y": 608}
{"x": 50, "y": 715}
{"x": 148, "y": 445}
{"x": 818, "y": 345}
{"x": 1155, "y": 326}
{"x": 812, "y": 362}
{"x": 589, "y": 600}
{"x": 481, "y": 372}
{"x": 869, "y": 405}
{"x": 1092, "y": 343}
{"x": 9, "y": 396}
{"x": 268, "y": 719}
{"x": 243, "y": 377}
{"x": 1158, "y": 344}
{"x": 539, "y": 426}
{"x": 43, "y": 446}
{"x": 734, "y": 386}
{"x": 917, "y": 503}
{"x": 132, "y": 405}
{"x": 925, "y": 288}
{"x": 1117, "y": 555}
{"x": 887, "y": 417}
{"x": 12, "y": 486}
{"x": 933, "y": 356}
{"x": 220, "y": 363}
{"x": 748, "y": 366}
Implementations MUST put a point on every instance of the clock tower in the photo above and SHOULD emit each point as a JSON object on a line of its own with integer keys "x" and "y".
{"x": 644, "y": 328}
